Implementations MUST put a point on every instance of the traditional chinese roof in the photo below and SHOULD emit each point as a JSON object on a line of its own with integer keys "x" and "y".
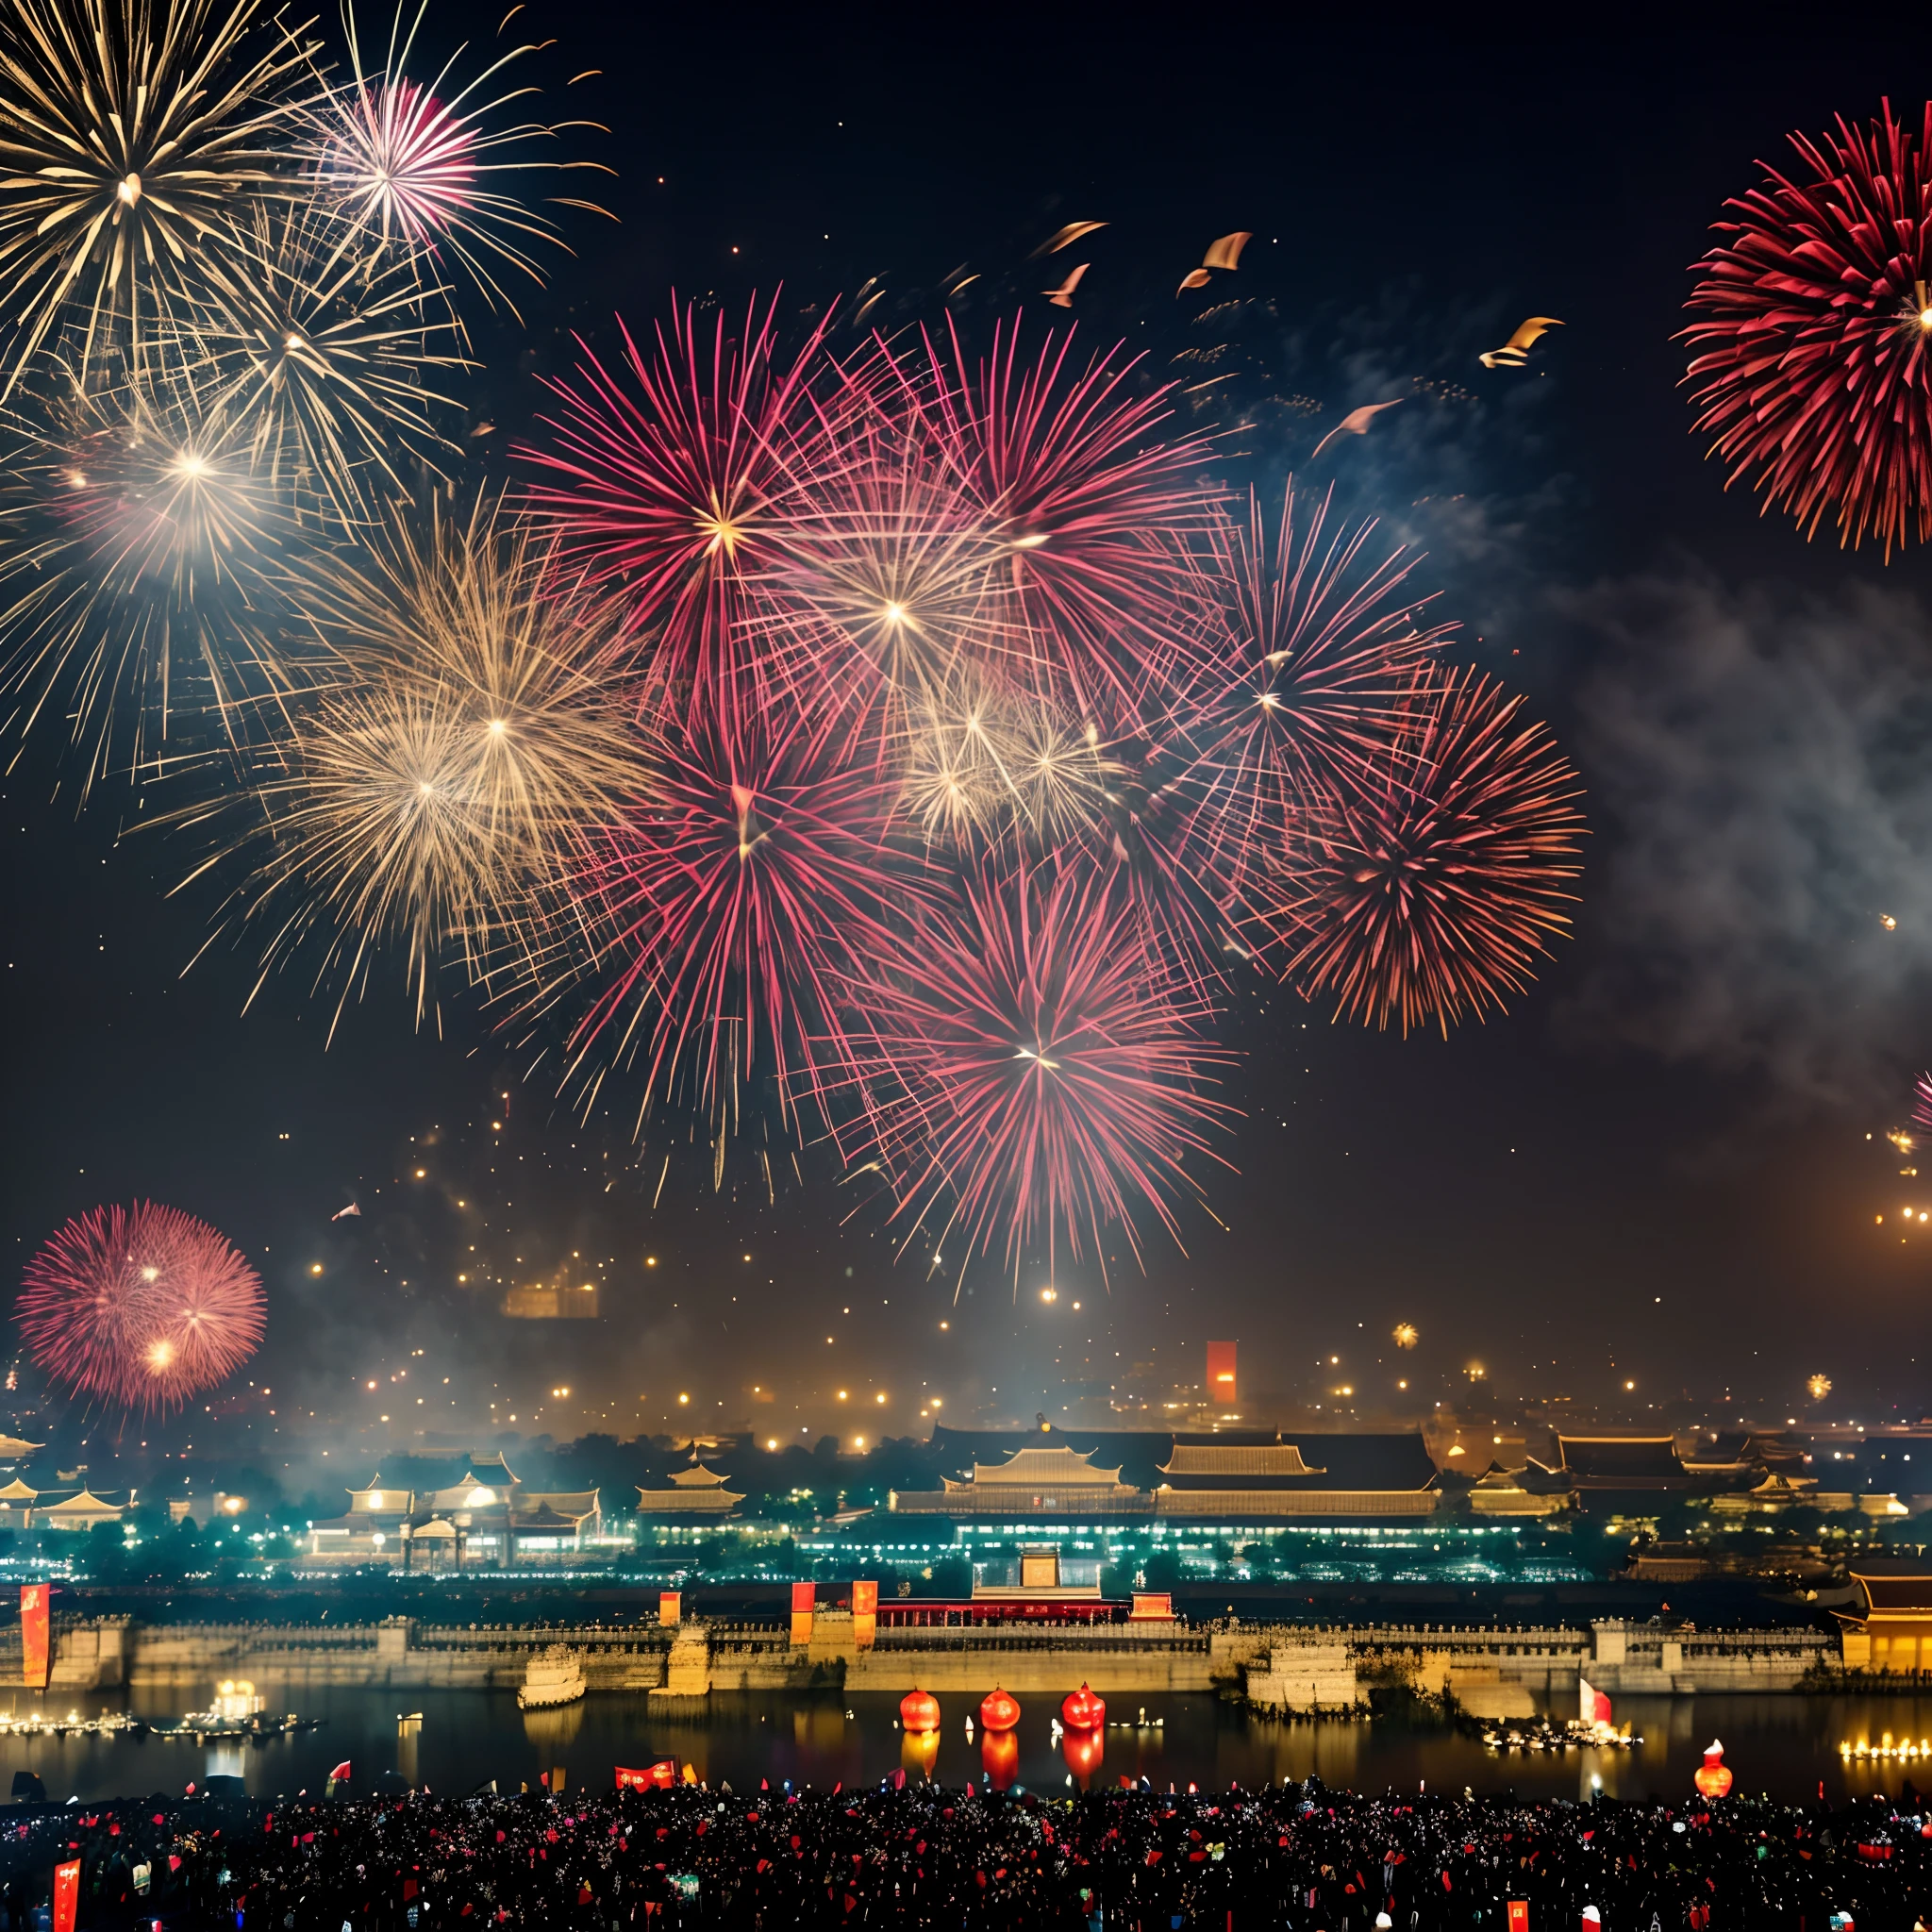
{"x": 1236, "y": 1459}
{"x": 1058, "y": 1468}
{"x": 12, "y": 1448}
{"x": 1901, "y": 1590}
{"x": 697, "y": 1478}
{"x": 83, "y": 1503}
{"x": 1622, "y": 1462}
{"x": 17, "y": 1491}
{"x": 1312, "y": 1464}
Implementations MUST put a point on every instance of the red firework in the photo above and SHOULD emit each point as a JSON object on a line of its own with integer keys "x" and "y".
{"x": 1081, "y": 502}
{"x": 727, "y": 907}
{"x": 677, "y": 473}
{"x": 1304, "y": 653}
{"x": 1033, "y": 1073}
{"x": 1815, "y": 322}
{"x": 1430, "y": 892}
{"x": 140, "y": 1305}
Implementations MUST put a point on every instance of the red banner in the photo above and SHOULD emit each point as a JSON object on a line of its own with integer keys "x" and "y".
{"x": 657, "y": 1778}
{"x": 865, "y": 1615}
{"x": 1519, "y": 1915}
{"x": 804, "y": 1600}
{"x": 66, "y": 1894}
{"x": 33, "y": 1636}
{"x": 670, "y": 1607}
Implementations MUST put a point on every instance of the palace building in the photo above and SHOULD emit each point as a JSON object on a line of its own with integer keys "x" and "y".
{"x": 1249, "y": 1476}
{"x": 1056, "y": 1481}
{"x": 694, "y": 1494}
{"x": 486, "y": 1516}
{"x": 1890, "y": 1630}
{"x": 1351, "y": 1478}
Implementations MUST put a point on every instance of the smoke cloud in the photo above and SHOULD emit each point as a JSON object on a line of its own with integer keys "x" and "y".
{"x": 1758, "y": 762}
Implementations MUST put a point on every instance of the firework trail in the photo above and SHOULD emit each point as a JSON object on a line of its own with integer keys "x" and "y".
{"x": 141, "y": 1306}
{"x": 462, "y": 732}
{"x": 1030, "y": 1071}
{"x": 1814, "y": 324}
{"x": 728, "y": 907}
{"x": 1429, "y": 894}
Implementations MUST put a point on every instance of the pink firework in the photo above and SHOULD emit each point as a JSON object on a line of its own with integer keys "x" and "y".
{"x": 1302, "y": 651}
{"x": 726, "y": 908}
{"x": 1814, "y": 321}
{"x": 1033, "y": 1075}
{"x": 416, "y": 166}
{"x": 142, "y": 1306}
{"x": 676, "y": 475}
{"x": 1429, "y": 894}
{"x": 1080, "y": 503}
{"x": 1922, "y": 1104}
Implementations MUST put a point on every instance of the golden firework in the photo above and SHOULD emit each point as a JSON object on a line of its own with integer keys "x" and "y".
{"x": 135, "y": 136}
{"x": 137, "y": 530}
{"x": 432, "y": 787}
{"x": 1406, "y": 1336}
{"x": 1818, "y": 1387}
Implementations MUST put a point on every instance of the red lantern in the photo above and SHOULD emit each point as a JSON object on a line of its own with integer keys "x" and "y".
{"x": 1713, "y": 1778}
{"x": 1083, "y": 1711}
{"x": 1000, "y": 1711}
{"x": 919, "y": 1710}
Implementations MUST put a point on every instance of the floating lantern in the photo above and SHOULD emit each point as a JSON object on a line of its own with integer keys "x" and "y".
{"x": 1713, "y": 1776}
{"x": 1000, "y": 1711}
{"x": 919, "y": 1710}
{"x": 1083, "y": 1710}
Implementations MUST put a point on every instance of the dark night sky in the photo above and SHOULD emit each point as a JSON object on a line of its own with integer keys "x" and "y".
{"x": 1656, "y": 1167}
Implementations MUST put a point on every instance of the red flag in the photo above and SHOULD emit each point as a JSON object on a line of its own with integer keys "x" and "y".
{"x": 340, "y": 1773}
{"x": 66, "y": 1894}
{"x": 1519, "y": 1915}
{"x": 33, "y": 1636}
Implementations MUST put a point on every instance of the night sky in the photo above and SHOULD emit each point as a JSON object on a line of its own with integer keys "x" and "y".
{"x": 1656, "y": 1168}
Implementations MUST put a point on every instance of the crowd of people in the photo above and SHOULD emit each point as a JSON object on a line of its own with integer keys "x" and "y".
{"x": 914, "y": 1854}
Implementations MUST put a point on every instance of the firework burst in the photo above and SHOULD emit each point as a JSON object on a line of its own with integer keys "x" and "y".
{"x": 419, "y": 167}
{"x": 1814, "y": 324}
{"x": 1031, "y": 1072}
{"x": 141, "y": 1306}
{"x": 671, "y": 478}
{"x": 729, "y": 904}
{"x": 141, "y": 533}
{"x": 1076, "y": 497}
{"x": 1429, "y": 894}
{"x": 463, "y": 730}
{"x": 135, "y": 138}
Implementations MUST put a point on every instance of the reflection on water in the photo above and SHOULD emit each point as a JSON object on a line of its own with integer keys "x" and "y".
{"x": 1785, "y": 1745}
{"x": 550, "y": 1728}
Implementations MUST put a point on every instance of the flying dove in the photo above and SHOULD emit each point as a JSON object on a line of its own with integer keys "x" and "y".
{"x": 1062, "y": 297}
{"x": 1356, "y": 422}
{"x": 1194, "y": 278}
{"x": 1515, "y": 352}
{"x": 1225, "y": 253}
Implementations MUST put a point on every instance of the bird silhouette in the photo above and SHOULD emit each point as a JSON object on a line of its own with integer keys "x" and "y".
{"x": 1515, "y": 352}
{"x": 1356, "y": 422}
{"x": 1062, "y": 297}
